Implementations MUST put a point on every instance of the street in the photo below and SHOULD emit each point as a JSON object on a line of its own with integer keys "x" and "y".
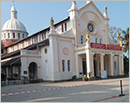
{"x": 106, "y": 90}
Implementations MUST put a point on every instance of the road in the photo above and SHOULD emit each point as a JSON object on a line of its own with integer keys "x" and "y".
{"x": 107, "y": 90}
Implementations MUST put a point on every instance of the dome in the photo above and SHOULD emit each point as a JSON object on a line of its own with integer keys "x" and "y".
{"x": 14, "y": 24}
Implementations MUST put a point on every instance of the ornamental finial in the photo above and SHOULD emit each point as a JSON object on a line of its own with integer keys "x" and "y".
{"x": 120, "y": 41}
{"x": 118, "y": 35}
{"x": 52, "y": 22}
{"x": 74, "y": 2}
{"x": 87, "y": 37}
{"x": 105, "y": 9}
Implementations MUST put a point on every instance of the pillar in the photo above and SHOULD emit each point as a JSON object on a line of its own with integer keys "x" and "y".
{"x": 38, "y": 72}
{"x": 7, "y": 72}
{"x": 111, "y": 65}
{"x": 102, "y": 61}
{"x": 120, "y": 65}
{"x": 92, "y": 64}
{"x": 88, "y": 62}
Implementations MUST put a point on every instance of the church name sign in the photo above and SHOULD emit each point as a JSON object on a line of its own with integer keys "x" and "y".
{"x": 105, "y": 46}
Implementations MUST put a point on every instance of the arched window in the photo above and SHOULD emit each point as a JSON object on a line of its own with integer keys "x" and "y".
{"x": 4, "y": 35}
{"x": 63, "y": 65}
{"x": 46, "y": 66}
{"x": 100, "y": 41}
{"x": 68, "y": 65}
{"x": 95, "y": 40}
{"x": 65, "y": 27}
{"x": 62, "y": 28}
{"x": 23, "y": 35}
{"x": 13, "y": 35}
{"x": 8, "y": 35}
{"x": 18, "y": 35}
{"x": 82, "y": 39}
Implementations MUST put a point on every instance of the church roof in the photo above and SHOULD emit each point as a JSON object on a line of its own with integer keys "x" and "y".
{"x": 48, "y": 28}
{"x": 14, "y": 23}
{"x": 31, "y": 47}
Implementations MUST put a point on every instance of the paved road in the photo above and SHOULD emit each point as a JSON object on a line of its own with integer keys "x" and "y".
{"x": 89, "y": 91}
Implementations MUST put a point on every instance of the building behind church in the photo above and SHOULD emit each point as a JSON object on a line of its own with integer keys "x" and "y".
{"x": 76, "y": 45}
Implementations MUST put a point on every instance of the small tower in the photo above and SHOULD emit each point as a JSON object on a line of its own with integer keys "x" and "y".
{"x": 106, "y": 25}
{"x": 88, "y": 2}
{"x": 73, "y": 12}
{"x": 13, "y": 12}
{"x": 13, "y": 30}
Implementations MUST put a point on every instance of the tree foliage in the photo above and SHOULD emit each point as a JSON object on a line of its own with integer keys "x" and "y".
{"x": 113, "y": 31}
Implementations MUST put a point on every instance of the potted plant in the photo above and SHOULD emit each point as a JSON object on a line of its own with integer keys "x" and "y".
{"x": 74, "y": 77}
{"x": 89, "y": 74}
{"x": 84, "y": 78}
{"x": 23, "y": 79}
{"x": 15, "y": 75}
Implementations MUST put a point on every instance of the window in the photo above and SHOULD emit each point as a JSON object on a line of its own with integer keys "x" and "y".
{"x": 46, "y": 66}
{"x": 114, "y": 65}
{"x": 95, "y": 40}
{"x": 65, "y": 27}
{"x": 13, "y": 35}
{"x": 81, "y": 39}
{"x": 68, "y": 65}
{"x": 8, "y": 35}
{"x": 23, "y": 35}
{"x": 100, "y": 41}
{"x": 18, "y": 35}
{"x": 62, "y": 28}
{"x": 63, "y": 65}
{"x": 4, "y": 35}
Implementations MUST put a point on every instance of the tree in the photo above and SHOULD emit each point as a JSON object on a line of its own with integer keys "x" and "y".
{"x": 113, "y": 31}
{"x": 126, "y": 65}
{"x": 125, "y": 39}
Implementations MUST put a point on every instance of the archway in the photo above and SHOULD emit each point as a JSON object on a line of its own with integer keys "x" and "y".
{"x": 95, "y": 68}
{"x": 33, "y": 71}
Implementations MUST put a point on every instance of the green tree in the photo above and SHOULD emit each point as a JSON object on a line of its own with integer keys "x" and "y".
{"x": 125, "y": 39}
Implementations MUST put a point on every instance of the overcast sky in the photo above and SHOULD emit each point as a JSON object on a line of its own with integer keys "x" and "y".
{"x": 35, "y": 15}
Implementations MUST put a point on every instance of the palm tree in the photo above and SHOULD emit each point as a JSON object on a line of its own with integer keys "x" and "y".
{"x": 126, "y": 40}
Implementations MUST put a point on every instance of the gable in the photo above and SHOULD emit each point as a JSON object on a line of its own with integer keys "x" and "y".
{"x": 92, "y": 7}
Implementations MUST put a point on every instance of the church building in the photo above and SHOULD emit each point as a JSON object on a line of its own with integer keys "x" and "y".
{"x": 76, "y": 45}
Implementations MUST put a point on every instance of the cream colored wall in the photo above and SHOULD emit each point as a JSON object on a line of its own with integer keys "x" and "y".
{"x": 90, "y": 14}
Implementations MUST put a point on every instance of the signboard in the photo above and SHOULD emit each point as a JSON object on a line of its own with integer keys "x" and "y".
{"x": 105, "y": 46}
{"x": 98, "y": 45}
{"x": 25, "y": 72}
{"x": 103, "y": 74}
{"x": 114, "y": 47}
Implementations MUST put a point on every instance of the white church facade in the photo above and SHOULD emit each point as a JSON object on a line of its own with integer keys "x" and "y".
{"x": 77, "y": 45}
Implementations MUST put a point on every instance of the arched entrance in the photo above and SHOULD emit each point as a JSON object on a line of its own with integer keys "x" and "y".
{"x": 95, "y": 68}
{"x": 33, "y": 71}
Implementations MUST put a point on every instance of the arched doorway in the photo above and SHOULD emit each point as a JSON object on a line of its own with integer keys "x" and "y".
{"x": 33, "y": 71}
{"x": 95, "y": 68}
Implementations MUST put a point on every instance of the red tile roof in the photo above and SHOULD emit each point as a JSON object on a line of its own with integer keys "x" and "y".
{"x": 7, "y": 43}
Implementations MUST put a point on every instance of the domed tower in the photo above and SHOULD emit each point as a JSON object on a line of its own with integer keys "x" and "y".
{"x": 13, "y": 30}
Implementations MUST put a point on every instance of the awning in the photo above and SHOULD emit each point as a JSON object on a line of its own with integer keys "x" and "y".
{"x": 11, "y": 62}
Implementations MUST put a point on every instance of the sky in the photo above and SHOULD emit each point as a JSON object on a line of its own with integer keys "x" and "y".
{"x": 35, "y": 15}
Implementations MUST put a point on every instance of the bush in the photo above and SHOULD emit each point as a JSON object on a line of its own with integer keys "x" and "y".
{"x": 3, "y": 76}
{"x": 14, "y": 75}
{"x": 24, "y": 78}
{"x": 74, "y": 77}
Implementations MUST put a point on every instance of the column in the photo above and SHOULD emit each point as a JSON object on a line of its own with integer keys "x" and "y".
{"x": 7, "y": 72}
{"x": 121, "y": 66}
{"x": 102, "y": 62}
{"x": 111, "y": 65}
{"x": 39, "y": 72}
{"x": 88, "y": 61}
{"x": 92, "y": 64}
